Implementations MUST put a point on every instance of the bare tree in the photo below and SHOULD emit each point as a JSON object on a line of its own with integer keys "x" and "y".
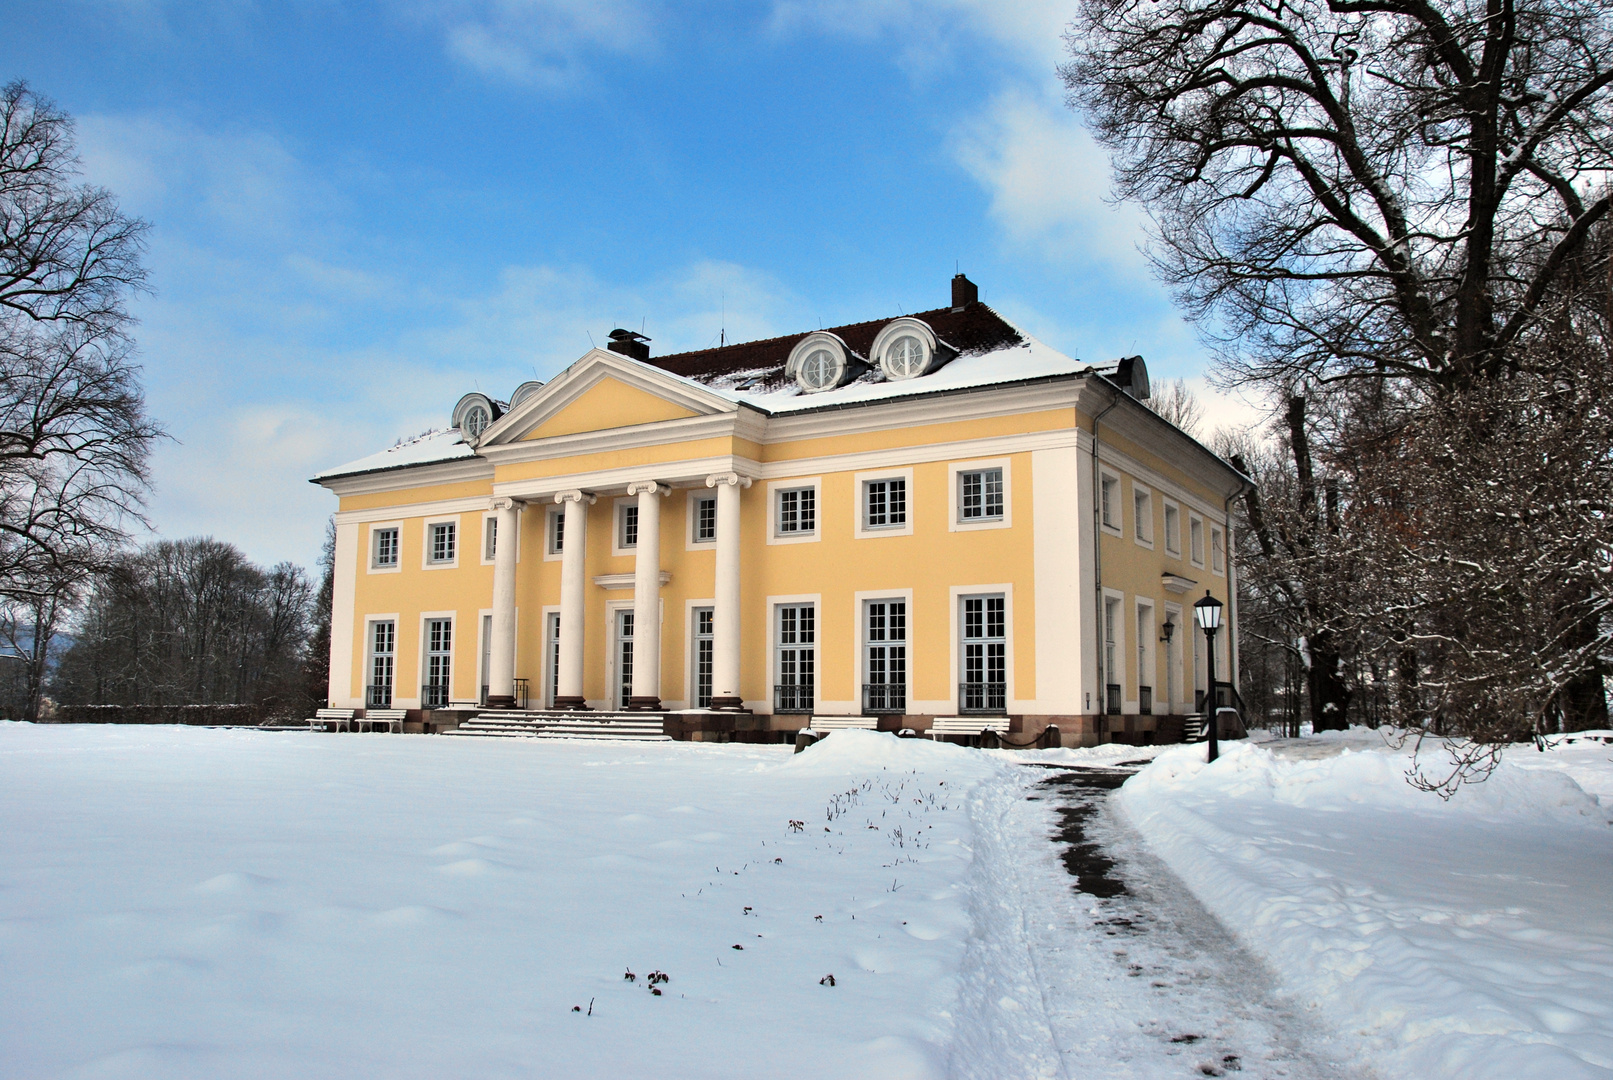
{"x": 1173, "y": 401}
{"x": 1357, "y": 188}
{"x": 74, "y": 438}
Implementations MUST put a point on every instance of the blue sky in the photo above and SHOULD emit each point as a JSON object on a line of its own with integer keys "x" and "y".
{"x": 362, "y": 211}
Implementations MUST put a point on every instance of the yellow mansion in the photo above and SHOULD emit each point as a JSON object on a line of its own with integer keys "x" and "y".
{"x": 932, "y": 516}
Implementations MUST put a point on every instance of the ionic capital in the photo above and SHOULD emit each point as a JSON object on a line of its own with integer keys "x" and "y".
{"x": 728, "y": 478}
{"x": 648, "y": 487}
{"x": 575, "y": 496}
{"x": 505, "y": 503}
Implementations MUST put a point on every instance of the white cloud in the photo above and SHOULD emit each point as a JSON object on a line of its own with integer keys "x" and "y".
{"x": 1047, "y": 181}
{"x": 928, "y": 33}
{"x": 538, "y": 42}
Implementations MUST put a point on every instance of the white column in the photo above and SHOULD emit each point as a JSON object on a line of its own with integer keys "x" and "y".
{"x": 501, "y": 650}
{"x": 647, "y": 595}
{"x": 725, "y": 615}
{"x": 573, "y": 584}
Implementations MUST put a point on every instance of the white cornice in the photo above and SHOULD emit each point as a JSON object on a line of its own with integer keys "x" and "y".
{"x": 440, "y": 508}
{"x": 659, "y": 433}
{"x": 626, "y": 581}
{"x": 404, "y": 477}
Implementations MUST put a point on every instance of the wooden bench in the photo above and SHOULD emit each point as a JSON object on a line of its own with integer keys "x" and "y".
{"x": 821, "y": 724}
{"x": 392, "y": 718}
{"x": 324, "y": 719}
{"x": 972, "y": 726}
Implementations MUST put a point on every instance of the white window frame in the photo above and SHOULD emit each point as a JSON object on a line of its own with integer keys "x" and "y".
{"x": 955, "y": 522}
{"x": 765, "y": 706}
{"x": 397, "y": 564}
{"x": 369, "y": 655}
{"x": 1195, "y": 551}
{"x": 618, "y": 519}
{"x": 1118, "y": 598}
{"x": 776, "y": 537}
{"x": 490, "y": 526}
{"x": 955, "y": 595}
{"x": 1173, "y": 538}
{"x": 1105, "y": 477}
{"x": 459, "y": 542}
{"x": 859, "y": 645}
{"x": 424, "y": 652}
{"x": 692, "y": 513}
{"x": 1148, "y": 662}
{"x": 691, "y": 652}
{"x": 860, "y": 482}
{"x": 549, "y": 612}
{"x": 551, "y": 516}
{"x": 1218, "y": 554}
{"x": 1142, "y": 526}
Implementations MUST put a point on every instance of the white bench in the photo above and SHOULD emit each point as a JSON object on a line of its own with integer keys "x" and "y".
{"x": 392, "y": 718}
{"x": 841, "y": 723}
{"x": 973, "y": 726}
{"x": 331, "y": 719}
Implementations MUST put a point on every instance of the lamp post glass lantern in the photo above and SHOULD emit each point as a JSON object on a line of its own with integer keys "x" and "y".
{"x": 1208, "y": 613}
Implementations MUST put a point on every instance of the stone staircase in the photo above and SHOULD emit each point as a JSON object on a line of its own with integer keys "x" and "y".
{"x": 557, "y": 724}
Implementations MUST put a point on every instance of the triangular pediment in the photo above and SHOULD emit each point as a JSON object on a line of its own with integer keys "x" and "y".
{"x": 600, "y": 392}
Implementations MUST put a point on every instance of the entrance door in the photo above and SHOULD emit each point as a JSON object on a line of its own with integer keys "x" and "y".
{"x": 487, "y": 656}
{"x": 624, "y": 658}
{"x": 703, "y": 642}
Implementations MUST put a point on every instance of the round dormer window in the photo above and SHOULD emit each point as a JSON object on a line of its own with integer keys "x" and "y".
{"x": 818, "y": 362}
{"x": 907, "y": 348}
{"x": 474, "y": 414}
{"x": 907, "y": 357}
{"x": 819, "y": 369}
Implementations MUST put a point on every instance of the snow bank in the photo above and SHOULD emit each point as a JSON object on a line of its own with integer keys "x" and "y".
{"x": 1465, "y": 938}
{"x": 853, "y": 751}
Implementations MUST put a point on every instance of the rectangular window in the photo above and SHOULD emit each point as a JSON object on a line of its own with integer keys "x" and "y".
{"x": 1142, "y": 509}
{"x": 797, "y": 648}
{"x": 629, "y": 527}
{"x": 1195, "y": 535}
{"x": 557, "y": 531}
{"x": 490, "y": 538}
{"x": 624, "y": 659}
{"x": 886, "y": 502}
{"x": 797, "y": 511}
{"x": 1111, "y": 658}
{"x": 1173, "y": 530}
{"x": 703, "y": 645}
{"x": 985, "y": 655}
{"x": 386, "y": 547}
{"x": 886, "y": 689}
{"x": 383, "y": 653}
{"x": 1218, "y": 561}
{"x": 439, "y": 657}
{"x": 705, "y": 521}
{"x": 442, "y": 542}
{"x": 1109, "y": 490}
{"x": 980, "y": 494}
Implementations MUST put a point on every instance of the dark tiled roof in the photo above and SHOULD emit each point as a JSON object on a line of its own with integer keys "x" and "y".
{"x": 973, "y": 330}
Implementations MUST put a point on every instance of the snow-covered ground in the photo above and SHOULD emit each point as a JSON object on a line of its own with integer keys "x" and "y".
{"x": 1469, "y": 938}
{"x": 183, "y": 902}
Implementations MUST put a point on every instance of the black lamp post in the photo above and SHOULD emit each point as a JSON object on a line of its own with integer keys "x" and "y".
{"x": 1208, "y": 614}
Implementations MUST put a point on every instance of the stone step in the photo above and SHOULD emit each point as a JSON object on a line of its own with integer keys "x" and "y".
{"x": 546, "y": 724}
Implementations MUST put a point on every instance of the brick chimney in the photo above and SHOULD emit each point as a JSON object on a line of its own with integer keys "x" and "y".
{"x": 964, "y": 292}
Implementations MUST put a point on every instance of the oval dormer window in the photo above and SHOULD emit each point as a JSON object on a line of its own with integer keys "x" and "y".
{"x": 818, "y": 362}
{"x": 907, "y": 348}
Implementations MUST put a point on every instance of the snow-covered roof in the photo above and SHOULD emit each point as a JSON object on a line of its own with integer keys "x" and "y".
{"x": 428, "y": 449}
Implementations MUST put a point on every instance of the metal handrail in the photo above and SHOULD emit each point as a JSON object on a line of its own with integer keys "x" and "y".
{"x": 434, "y": 695}
{"x": 884, "y": 698}
{"x": 982, "y": 698}
{"x": 378, "y": 697}
{"x": 794, "y": 697}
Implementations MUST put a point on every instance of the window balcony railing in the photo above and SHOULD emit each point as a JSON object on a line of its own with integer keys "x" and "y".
{"x": 1111, "y": 702}
{"x": 378, "y": 697}
{"x": 884, "y": 698}
{"x": 519, "y": 692}
{"x": 434, "y": 695}
{"x": 984, "y": 698}
{"x": 793, "y": 697}
{"x": 1145, "y": 699}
